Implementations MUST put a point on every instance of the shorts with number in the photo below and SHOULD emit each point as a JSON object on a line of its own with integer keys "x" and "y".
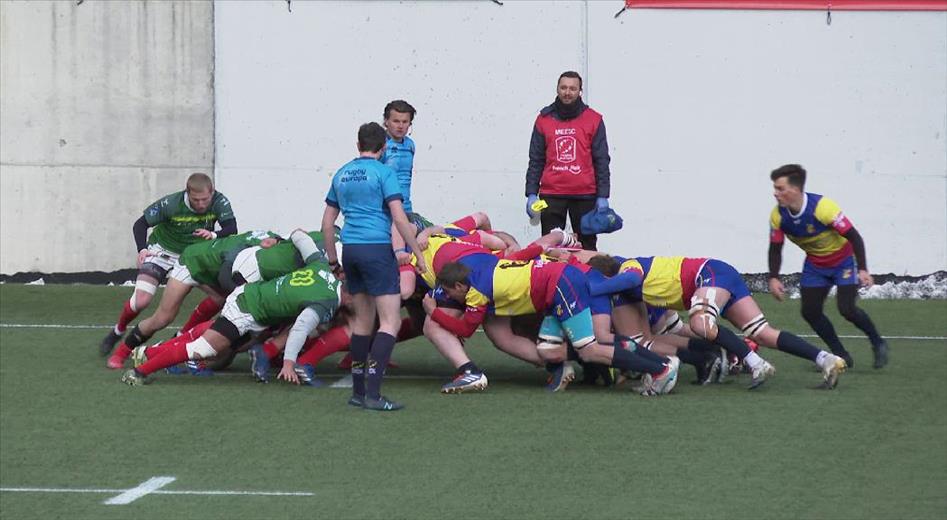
{"x": 161, "y": 260}
{"x": 243, "y": 321}
{"x": 717, "y": 273}
{"x": 842, "y": 274}
{"x": 246, "y": 264}
{"x": 181, "y": 273}
{"x": 371, "y": 268}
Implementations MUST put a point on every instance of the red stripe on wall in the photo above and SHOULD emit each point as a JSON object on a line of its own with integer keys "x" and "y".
{"x": 821, "y": 5}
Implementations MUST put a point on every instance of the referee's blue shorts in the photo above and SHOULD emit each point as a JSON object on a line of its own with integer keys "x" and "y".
{"x": 370, "y": 268}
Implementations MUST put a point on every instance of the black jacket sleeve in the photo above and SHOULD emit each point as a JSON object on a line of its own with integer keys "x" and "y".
{"x": 858, "y": 245}
{"x": 227, "y": 228}
{"x": 775, "y": 258}
{"x": 140, "y": 232}
{"x": 537, "y": 161}
{"x": 601, "y": 161}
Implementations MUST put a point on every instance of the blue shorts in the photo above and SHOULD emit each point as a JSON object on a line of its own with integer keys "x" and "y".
{"x": 717, "y": 273}
{"x": 655, "y": 314}
{"x": 842, "y": 274}
{"x": 572, "y": 294}
{"x": 370, "y": 268}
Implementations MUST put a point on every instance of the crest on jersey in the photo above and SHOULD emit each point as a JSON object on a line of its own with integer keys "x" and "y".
{"x": 565, "y": 149}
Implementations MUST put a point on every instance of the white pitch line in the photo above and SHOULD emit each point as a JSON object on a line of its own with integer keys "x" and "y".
{"x": 149, "y": 486}
{"x": 158, "y": 492}
{"x": 59, "y": 326}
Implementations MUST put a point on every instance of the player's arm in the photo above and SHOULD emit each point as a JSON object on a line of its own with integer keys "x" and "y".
{"x": 829, "y": 213}
{"x": 227, "y": 228}
{"x": 329, "y": 216}
{"x": 305, "y": 324}
{"x": 462, "y": 327}
{"x": 308, "y": 250}
{"x": 775, "y": 255}
{"x": 858, "y": 247}
{"x": 426, "y": 233}
{"x": 527, "y": 253}
{"x": 621, "y": 282}
{"x": 140, "y": 232}
{"x": 407, "y": 230}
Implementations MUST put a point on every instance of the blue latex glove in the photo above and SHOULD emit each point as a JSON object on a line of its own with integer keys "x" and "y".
{"x": 601, "y": 203}
{"x": 530, "y": 199}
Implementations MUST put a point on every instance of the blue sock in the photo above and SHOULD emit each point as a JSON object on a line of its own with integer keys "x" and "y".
{"x": 382, "y": 346}
{"x": 627, "y": 360}
{"x": 732, "y": 343}
{"x": 792, "y": 344}
{"x": 359, "y": 348}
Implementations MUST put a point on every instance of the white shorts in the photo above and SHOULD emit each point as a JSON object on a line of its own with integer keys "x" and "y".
{"x": 242, "y": 320}
{"x": 181, "y": 273}
{"x": 245, "y": 263}
{"x": 161, "y": 257}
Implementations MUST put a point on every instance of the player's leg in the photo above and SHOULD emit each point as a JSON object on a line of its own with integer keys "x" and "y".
{"x": 174, "y": 293}
{"x": 206, "y": 309}
{"x": 380, "y": 273}
{"x": 845, "y": 298}
{"x": 467, "y": 375}
{"x": 500, "y": 331}
{"x": 145, "y": 287}
{"x": 814, "y": 286}
{"x": 746, "y": 314}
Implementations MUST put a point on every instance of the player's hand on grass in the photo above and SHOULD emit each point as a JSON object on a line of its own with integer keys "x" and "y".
{"x": 143, "y": 256}
{"x": 288, "y": 373}
{"x": 776, "y": 289}
{"x": 429, "y": 303}
{"x": 865, "y": 278}
{"x": 205, "y": 234}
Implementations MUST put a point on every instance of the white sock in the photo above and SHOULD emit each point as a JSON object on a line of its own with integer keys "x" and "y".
{"x": 753, "y": 359}
{"x": 119, "y": 332}
{"x": 821, "y": 358}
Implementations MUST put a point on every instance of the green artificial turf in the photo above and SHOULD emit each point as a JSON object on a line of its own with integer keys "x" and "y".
{"x": 874, "y": 448}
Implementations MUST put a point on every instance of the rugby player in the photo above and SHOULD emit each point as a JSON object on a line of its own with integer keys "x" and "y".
{"x": 835, "y": 255}
{"x": 179, "y": 220}
{"x": 708, "y": 288}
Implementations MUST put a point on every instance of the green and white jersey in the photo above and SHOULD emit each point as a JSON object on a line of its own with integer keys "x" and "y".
{"x": 204, "y": 259}
{"x": 174, "y": 223}
{"x": 284, "y": 257}
{"x": 282, "y": 299}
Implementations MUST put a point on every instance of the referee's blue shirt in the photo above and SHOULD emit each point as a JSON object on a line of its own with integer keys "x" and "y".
{"x": 362, "y": 190}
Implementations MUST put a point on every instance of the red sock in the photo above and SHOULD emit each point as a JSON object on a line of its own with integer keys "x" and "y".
{"x": 197, "y": 330}
{"x": 167, "y": 355}
{"x": 122, "y": 352}
{"x": 407, "y": 330}
{"x": 332, "y": 341}
{"x": 126, "y": 317}
{"x": 345, "y": 363}
{"x": 207, "y": 309}
{"x": 269, "y": 348}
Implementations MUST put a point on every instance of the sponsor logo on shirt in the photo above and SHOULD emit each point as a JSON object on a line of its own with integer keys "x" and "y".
{"x": 565, "y": 149}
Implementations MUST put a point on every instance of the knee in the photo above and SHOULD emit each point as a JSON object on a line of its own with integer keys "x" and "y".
{"x": 811, "y": 313}
{"x": 552, "y": 355}
{"x": 703, "y": 325}
{"x": 848, "y": 311}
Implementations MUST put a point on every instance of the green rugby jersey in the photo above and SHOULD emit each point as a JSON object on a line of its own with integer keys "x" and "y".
{"x": 284, "y": 257}
{"x": 204, "y": 259}
{"x": 282, "y": 299}
{"x": 174, "y": 223}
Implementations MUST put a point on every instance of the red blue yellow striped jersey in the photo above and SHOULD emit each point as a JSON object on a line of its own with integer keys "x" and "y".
{"x": 817, "y": 229}
{"x": 667, "y": 281}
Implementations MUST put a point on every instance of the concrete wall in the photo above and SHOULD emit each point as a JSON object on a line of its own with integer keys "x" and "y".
{"x": 105, "y": 106}
{"x": 699, "y": 105}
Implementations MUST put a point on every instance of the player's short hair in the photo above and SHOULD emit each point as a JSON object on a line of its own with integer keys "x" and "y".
{"x": 400, "y": 105}
{"x": 795, "y": 175}
{"x": 371, "y": 137}
{"x": 570, "y": 74}
{"x": 452, "y": 274}
{"x": 199, "y": 182}
{"x": 605, "y": 264}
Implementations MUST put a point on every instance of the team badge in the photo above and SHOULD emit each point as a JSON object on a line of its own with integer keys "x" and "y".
{"x": 846, "y": 273}
{"x": 565, "y": 149}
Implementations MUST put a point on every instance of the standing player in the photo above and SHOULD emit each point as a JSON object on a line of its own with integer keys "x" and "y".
{"x": 179, "y": 220}
{"x": 834, "y": 251}
{"x": 367, "y": 193}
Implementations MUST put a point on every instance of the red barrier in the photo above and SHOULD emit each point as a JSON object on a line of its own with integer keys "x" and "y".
{"x": 820, "y": 5}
